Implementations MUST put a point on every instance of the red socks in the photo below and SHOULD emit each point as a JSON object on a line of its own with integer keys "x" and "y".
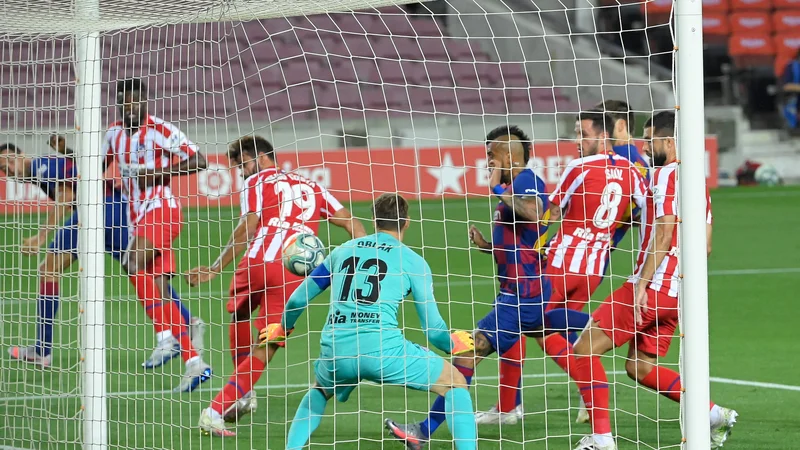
{"x": 246, "y": 375}
{"x": 590, "y": 376}
{"x": 665, "y": 381}
{"x": 241, "y": 339}
{"x": 165, "y": 316}
{"x": 560, "y": 350}
{"x": 510, "y": 375}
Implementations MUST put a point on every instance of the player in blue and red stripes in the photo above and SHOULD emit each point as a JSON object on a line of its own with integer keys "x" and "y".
{"x": 518, "y": 232}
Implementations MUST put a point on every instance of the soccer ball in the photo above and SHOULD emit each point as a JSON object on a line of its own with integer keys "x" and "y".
{"x": 766, "y": 175}
{"x": 302, "y": 253}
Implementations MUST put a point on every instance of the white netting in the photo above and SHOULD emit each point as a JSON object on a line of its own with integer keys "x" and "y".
{"x": 394, "y": 99}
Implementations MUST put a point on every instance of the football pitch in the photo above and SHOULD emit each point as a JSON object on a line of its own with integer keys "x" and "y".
{"x": 753, "y": 282}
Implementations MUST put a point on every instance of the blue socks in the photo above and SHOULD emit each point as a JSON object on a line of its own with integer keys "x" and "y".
{"x": 563, "y": 319}
{"x": 307, "y": 418}
{"x": 461, "y": 418}
{"x": 47, "y": 307}
{"x": 437, "y": 414}
{"x": 185, "y": 313}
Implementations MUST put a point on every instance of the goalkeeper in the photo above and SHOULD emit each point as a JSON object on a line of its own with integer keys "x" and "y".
{"x": 361, "y": 340}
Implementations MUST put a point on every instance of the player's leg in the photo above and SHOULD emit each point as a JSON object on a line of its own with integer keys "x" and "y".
{"x": 247, "y": 290}
{"x": 418, "y": 368}
{"x": 307, "y": 417}
{"x": 61, "y": 253}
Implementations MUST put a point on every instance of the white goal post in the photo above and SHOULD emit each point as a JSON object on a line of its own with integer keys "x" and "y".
{"x": 86, "y": 22}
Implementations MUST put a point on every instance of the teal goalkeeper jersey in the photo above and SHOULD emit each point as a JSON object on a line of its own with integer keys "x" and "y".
{"x": 368, "y": 278}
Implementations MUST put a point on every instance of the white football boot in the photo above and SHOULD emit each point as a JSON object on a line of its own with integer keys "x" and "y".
{"x": 197, "y": 372}
{"x": 583, "y": 414}
{"x": 589, "y": 443}
{"x": 165, "y": 350}
{"x": 29, "y": 355}
{"x": 494, "y": 417}
{"x": 721, "y": 430}
{"x": 245, "y": 405}
{"x": 211, "y": 424}
{"x": 197, "y": 333}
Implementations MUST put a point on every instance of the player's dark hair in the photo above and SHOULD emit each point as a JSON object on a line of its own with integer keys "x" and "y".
{"x": 8, "y": 147}
{"x": 129, "y": 85}
{"x": 390, "y": 212}
{"x": 664, "y": 124}
{"x": 618, "y": 110}
{"x": 601, "y": 122}
{"x": 515, "y": 131}
{"x": 252, "y": 146}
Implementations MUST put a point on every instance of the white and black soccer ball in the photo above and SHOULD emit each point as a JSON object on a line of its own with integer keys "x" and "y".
{"x": 302, "y": 253}
{"x": 766, "y": 175}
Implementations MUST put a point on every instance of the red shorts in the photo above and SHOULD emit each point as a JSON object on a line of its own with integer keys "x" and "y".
{"x": 265, "y": 285}
{"x": 615, "y": 317}
{"x": 161, "y": 227}
{"x": 570, "y": 290}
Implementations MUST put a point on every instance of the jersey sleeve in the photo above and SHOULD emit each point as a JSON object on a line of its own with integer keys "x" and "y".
{"x": 330, "y": 205}
{"x": 176, "y": 143}
{"x": 251, "y": 197}
{"x": 527, "y": 184}
{"x": 316, "y": 283}
{"x": 639, "y": 191}
{"x": 431, "y": 321}
{"x": 664, "y": 197}
{"x": 570, "y": 180}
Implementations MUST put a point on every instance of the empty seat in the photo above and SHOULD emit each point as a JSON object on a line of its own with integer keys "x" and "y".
{"x": 425, "y": 26}
{"x": 786, "y": 20}
{"x": 374, "y": 98}
{"x": 715, "y": 6}
{"x": 433, "y": 48}
{"x": 358, "y": 45}
{"x": 750, "y": 22}
{"x": 751, "y": 5}
{"x": 751, "y": 49}
{"x": 513, "y": 75}
{"x": 657, "y": 7}
{"x": 464, "y": 74}
{"x": 786, "y": 4}
{"x": 489, "y": 73}
{"x": 390, "y": 71}
{"x": 296, "y": 72}
{"x": 787, "y": 43}
{"x": 414, "y": 72}
{"x": 444, "y": 100}
{"x": 438, "y": 73}
{"x": 420, "y": 99}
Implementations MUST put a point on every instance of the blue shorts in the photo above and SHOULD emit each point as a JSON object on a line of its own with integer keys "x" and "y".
{"x": 511, "y": 317}
{"x": 406, "y": 364}
{"x": 116, "y": 229}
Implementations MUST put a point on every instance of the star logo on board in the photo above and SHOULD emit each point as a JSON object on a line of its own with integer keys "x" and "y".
{"x": 448, "y": 177}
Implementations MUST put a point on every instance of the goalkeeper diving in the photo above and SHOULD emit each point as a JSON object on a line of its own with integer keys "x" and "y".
{"x": 369, "y": 277}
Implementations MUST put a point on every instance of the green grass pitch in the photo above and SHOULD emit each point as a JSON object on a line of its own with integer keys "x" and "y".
{"x": 753, "y": 282}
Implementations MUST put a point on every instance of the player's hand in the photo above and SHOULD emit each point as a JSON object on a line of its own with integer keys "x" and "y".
{"x": 495, "y": 174}
{"x": 462, "y": 343}
{"x": 640, "y": 303}
{"x": 31, "y": 246}
{"x": 272, "y": 334}
{"x": 476, "y": 237}
{"x": 199, "y": 275}
{"x": 152, "y": 177}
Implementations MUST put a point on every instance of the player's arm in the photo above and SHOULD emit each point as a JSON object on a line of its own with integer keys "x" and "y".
{"x": 529, "y": 207}
{"x": 64, "y": 201}
{"x": 190, "y": 160}
{"x": 662, "y": 244}
{"x": 708, "y": 239}
{"x": 430, "y": 319}
{"x": 555, "y": 214}
{"x": 344, "y": 219}
{"x": 316, "y": 283}
{"x": 237, "y": 243}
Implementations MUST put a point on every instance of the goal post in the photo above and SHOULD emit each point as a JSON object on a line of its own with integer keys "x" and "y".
{"x": 362, "y": 97}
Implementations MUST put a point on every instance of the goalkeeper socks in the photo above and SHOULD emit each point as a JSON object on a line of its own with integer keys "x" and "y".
{"x": 240, "y": 335}
{"x": 149, "y": 296}
{"x": 590, "y": 376}
{"x": 664, "y": 381}
{"x": 461, "y": 418}
{"x": 48, "y": 307}
{"x": 246, "y": 375}
{"x": 560, "y": 350}
{"x": 307, "y": 418}
{"x": 436, "y": 416}
{"x": 511, "y": 376}
{"x": 185, "y": 313}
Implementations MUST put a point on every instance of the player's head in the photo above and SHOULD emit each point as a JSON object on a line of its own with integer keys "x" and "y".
{"x": 132, "y": 101}
{"x": 508, "y": 147}
{"x": 390, "y": 212}
{"x": 624, "y": 120}
{"x": 647, "y": 135}
{"x": 663, "y": 140}
{"x": 251, "y": 154}
{"x": 592, "y": 130}
{"x": 12, "y": 162}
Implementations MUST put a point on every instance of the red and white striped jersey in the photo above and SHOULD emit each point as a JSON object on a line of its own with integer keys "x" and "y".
{"x": 286, "y": 204}
{"x": 152, "y": 146}
{"x": 663, "y": 202}
{"x": 594, "y": 193}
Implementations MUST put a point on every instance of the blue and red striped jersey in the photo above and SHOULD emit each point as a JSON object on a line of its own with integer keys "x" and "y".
{"x": 631, "y": 153}
{"x": 517, "y": 242}
{"x": 48, "y": 172}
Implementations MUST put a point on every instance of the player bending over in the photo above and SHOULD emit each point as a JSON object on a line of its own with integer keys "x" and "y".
{"x": 275, "y": 205}
{"x": 644, "y": 310}
{"x": 519, "y": 226}
{"x": 361, "y": 340}
{"x": 148, "y": 151}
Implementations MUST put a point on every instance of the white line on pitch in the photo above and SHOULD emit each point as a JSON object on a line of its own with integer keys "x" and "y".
{"x": 758, "y": 384}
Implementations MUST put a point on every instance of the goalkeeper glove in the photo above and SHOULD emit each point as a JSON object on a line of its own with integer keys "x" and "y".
{"x": 272, "y": 334}
{"x": 462, "y": 343}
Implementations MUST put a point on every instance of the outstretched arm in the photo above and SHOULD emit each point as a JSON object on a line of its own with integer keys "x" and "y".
{"x": 237, "y": 243}
{"x": 65, "y": 196}
{"x": 309, "y": 289}
{"x": 432, "y": 323}
{"x": 344, "y": 219}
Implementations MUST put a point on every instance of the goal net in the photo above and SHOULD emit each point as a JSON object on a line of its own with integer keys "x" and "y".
{"x": 359, "y": 97}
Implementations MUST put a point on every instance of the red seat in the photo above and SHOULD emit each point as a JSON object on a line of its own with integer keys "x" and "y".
{"x": 657, "y": 7}
{"x": 786, "y": 4}
{"x": 787, "y": 43}
{"x": 751, "y": 5}
{"x": 715, "y": 6}
{"x": 752, "y": 50}
{"x": 715, "y": 25}
{"x": 786, "y": 20}
{"x": 750, "y": 22}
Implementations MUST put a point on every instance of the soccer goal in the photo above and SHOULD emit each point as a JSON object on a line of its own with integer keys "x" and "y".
{"x": 119, "y": 191}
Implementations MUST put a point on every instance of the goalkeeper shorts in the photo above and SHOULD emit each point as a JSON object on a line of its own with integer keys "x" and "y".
{"x": 406, "y": 364}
